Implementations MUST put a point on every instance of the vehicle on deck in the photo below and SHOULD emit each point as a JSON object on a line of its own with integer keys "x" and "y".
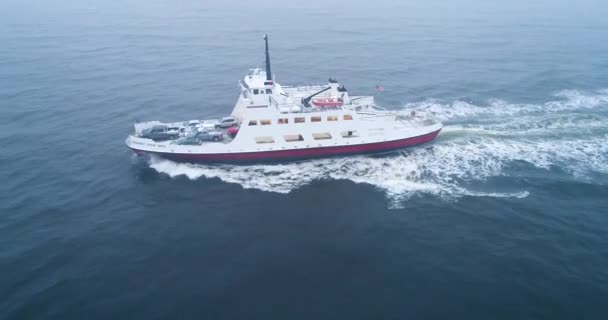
{"x": 192, "y": 123}
{"x": 174, "y": 131}
{"x": 210, "y": 124}
{"x": 160, "y": 132}
{"x": 210, "y": 135}
{"x": 228, "y": 122}
{"x": 232, "y": 131}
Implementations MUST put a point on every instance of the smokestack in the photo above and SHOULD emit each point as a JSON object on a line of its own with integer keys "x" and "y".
{"x": 268, "y": 71}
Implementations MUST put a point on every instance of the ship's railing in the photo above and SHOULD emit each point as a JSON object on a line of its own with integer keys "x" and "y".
{"x": 305, "y": 88}
{"x": 291, "y": 107}
{"x": 286, "y": 107}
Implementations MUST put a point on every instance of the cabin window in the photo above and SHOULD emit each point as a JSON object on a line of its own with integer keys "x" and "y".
{"x": 349, "y": 134}
{"x": 264, "y": 140}
{"x": 283, "y": 121}
{"x": 321, "y": 136}
{"x": 268, "y": 91}
{"x": 253, "y": 122}
{"x": 348, "y": 117}
{"x": 299, "y": 120}
{"x": 315, "y": 119}
{"x": 332, "y": 118}
{"x": 293, "y": 137}
{"x": 256, "y": 91}
{"x": 265, "y": 122}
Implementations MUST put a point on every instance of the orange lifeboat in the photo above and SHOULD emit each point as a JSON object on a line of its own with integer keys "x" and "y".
{"x": 327, "y": 102}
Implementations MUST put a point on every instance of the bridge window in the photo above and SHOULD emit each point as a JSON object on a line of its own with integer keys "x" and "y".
{"x": 348, "y": 117}
{"x": 315, "y": 119}
{"x": 264, "y": 140}
{"x": 299, "y": 120}
{"x": 253, "y": 122}
{"x": 293, "y": 137}
{"x": 256, "y": 91}
{"x": 268, "y": 91}
{"x": 265, "y": 122}
{"x": 332, "y": 118}
{"x": 321, "y": 136}
{"x": 283, "y": 121}
{"x": 349, "y": 134}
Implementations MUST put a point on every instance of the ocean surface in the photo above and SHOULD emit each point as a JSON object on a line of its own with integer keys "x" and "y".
{"x": 505, "y": 216}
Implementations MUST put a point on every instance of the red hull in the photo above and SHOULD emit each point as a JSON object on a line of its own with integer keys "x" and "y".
{"x": 308, "y": 153}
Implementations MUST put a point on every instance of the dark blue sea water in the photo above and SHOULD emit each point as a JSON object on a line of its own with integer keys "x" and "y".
{"x": 505, "y": 216}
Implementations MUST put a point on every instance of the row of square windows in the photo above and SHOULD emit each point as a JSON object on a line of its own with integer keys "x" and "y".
{"x": 261, "y": 91}
{"x": 315, "y": 136}
{"x": 298, "y": 120}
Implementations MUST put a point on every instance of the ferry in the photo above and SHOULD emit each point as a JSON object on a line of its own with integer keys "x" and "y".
{"x": 276, "y": 123}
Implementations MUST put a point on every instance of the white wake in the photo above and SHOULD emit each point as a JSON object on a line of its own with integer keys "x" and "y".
{"x": 570, "y": 133}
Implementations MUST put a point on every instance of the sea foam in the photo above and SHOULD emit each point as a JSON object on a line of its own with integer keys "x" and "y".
{"x": 485, "y": 141}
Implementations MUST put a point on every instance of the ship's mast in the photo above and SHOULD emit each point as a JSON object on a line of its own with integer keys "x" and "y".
{"x": 268, "y": 71}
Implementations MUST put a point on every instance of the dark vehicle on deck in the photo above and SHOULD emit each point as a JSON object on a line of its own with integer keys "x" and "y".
{"x": 159, "y": 132}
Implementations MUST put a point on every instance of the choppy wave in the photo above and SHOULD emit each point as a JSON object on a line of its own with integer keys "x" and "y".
{"x": 570, "y": 133}
{"x": 568, "y": 100}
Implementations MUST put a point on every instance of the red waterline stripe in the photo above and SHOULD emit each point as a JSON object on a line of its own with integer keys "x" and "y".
{"x": 302, "y": 153}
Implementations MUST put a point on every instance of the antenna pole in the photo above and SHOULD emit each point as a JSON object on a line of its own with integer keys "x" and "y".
{"x": 268, "y": 71}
